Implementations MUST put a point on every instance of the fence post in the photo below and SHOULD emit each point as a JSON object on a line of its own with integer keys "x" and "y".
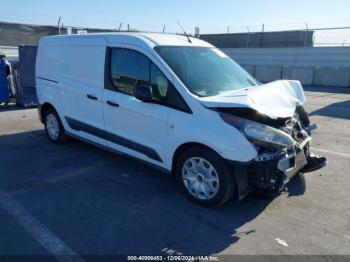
{"x": 248, "y": 36}
{"x": 196, "y": 31}
{"x": 120, "y": 26}
{"x": 306, "y": 35}
{"x": 262, "y": 36}
{"x": 59, "y": 25}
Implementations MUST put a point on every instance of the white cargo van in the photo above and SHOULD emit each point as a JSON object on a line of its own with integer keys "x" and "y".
{"x": 179, "y": 104}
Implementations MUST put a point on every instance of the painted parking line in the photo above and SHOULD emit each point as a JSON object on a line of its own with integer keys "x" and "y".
{"x": 331, "y": 152}
{"x": 44, "y": 236}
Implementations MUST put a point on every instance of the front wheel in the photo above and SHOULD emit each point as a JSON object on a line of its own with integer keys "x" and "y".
{"x": 205, "y": 177}
{"x": 53, "y": 127}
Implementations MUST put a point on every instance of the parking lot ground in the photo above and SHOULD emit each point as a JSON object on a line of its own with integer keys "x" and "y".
{"x": 83, "y": 199}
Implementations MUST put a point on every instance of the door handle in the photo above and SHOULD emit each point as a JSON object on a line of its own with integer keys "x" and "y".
{"x": 112, "y": 104}
{"x": 92, "y": 97}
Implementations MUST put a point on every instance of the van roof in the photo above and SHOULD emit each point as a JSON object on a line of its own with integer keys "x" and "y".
{"x": 150, "y": 39}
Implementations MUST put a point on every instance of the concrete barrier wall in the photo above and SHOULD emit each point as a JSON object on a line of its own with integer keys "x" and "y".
{"x": 332, "y": 76}
{"x": 268, "y": 73}
{"x": 323, "y": 66}
{"x": 304, "y": 74}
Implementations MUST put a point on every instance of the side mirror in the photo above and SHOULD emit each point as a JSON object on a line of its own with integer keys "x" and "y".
{"x": 143, "y": 93}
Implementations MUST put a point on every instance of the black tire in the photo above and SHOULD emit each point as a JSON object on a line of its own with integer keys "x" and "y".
{"x": 227, "y": 183}
{"x": 61, "y": 137}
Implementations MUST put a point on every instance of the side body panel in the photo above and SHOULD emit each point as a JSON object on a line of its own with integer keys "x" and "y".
{"x": 68, "y": 71}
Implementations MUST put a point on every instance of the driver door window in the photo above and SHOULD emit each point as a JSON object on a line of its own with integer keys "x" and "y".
{"x": 130, "y": 68}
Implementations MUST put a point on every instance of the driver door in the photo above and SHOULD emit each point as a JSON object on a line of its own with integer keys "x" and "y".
{"x": 134, "y": 127}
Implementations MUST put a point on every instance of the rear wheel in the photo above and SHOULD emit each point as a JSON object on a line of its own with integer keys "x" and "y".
{"x": 205, "y": 177}
{"x": 53, "y": 127}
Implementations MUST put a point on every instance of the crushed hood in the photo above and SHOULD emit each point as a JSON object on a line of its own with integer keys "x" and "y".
{"x": 277, "y": 99}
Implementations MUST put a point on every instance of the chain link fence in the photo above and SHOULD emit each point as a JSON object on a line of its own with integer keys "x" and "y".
{"x": 323, "y": 34}
{"x": 285, "y": 35}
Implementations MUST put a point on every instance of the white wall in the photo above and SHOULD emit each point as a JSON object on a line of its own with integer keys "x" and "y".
{"x": 324, "y": 66}
{"x": 300, "y": 56}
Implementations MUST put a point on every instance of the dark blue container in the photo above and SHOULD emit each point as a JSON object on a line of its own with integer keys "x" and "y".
{"x": 26, "y": 91}
{"x": 4, "y": 91}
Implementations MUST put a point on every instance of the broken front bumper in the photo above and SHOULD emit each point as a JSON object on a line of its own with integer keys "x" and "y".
{"x": 291, "y": 164}
{"x": 272, "y": 171}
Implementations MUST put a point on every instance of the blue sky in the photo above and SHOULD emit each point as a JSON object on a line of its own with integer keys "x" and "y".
{"x": 153, "y": 14}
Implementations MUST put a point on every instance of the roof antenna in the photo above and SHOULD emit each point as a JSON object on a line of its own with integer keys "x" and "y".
{"x": 188, "y": 38}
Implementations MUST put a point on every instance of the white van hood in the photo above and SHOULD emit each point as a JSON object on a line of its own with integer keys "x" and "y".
{"x": 275, "y": 99}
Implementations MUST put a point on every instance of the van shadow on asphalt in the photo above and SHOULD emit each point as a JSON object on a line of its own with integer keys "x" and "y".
{"x": 336, "y": 110}
{"x": 100, "y": 203}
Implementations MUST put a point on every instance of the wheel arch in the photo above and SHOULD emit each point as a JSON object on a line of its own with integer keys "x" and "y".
{"x": 183, "y": 147}
{"x": 43, "y": 108}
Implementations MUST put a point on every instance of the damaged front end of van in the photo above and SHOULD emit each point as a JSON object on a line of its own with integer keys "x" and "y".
{"x": 273, "y": 119}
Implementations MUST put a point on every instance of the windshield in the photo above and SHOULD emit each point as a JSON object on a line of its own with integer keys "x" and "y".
{"x": 206, "y": 71}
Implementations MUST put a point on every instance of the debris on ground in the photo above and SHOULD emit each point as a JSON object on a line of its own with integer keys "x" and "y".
{"x": 281, "y": 242}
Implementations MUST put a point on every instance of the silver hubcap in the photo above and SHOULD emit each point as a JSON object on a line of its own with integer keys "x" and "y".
{"x": 52, "y": 126}
{"x": 200, "y": 178}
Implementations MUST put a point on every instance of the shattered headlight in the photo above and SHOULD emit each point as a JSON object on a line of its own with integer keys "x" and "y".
{"x": 258, "y": 133}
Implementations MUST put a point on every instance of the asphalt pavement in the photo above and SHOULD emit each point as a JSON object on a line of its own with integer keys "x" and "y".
{"x": 81, "y": 200}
